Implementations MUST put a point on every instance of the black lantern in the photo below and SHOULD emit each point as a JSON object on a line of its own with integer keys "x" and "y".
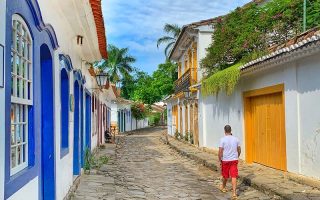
{"x": 186, "y": 93}
{"x": 102, "y": 78}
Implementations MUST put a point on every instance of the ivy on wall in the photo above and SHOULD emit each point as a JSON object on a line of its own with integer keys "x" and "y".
{"x": 222, "y": 80}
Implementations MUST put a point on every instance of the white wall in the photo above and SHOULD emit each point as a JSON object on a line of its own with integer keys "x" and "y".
{"x": 204, "y": 41}
{"x": 302, "y": 113}
{"x": 169, "y": 119}
{"x": 2, "y": 103}
{"x": 67, "y": 26}
{"x": 29, "y": 191}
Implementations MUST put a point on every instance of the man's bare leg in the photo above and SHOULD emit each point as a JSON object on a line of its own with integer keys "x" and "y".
{"x": 234, "y": 186}
{"x": 224, "y": 183}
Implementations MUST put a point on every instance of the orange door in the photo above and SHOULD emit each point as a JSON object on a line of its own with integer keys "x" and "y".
{"x": 268, "y": 131}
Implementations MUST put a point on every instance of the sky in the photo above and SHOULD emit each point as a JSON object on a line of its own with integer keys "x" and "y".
{"x": 137, "y": 24}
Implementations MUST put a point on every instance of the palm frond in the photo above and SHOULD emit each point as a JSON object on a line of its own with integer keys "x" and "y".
{"x": 173, "y": 29}
{"x": 165, "y": 39}
{"x": 168, "y": 49}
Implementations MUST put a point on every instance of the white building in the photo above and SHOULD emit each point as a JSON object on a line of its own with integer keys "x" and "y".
{"x": 48, "y": 95}
{"x": 273, "y": 110}
{"x": 188, "y": 51}
{"x": 122, "y": 116}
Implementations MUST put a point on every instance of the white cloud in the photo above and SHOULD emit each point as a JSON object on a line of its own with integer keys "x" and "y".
{"x": 138, "y": 23}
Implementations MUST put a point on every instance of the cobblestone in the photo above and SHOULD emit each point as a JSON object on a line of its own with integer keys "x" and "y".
{"x": 270, "y": 181}
{"x": 142, "y": 167}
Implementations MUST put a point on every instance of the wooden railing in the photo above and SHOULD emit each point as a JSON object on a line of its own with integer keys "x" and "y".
{"x": 185, "y": 81}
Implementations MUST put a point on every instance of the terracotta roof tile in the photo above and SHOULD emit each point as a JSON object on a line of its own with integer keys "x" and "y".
{"x": 101, "y": 33}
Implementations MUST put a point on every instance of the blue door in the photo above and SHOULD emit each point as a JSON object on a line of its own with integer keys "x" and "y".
{"x": 81, "y": 127}
{"x": 76, "y": 141}
{"x": 47, "y": 126}
{"x": 88, "y": 121}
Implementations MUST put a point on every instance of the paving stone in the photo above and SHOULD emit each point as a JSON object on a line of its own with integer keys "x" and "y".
{"x": 142, "y": 167}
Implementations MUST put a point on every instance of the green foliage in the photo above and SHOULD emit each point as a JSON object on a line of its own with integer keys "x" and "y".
{"x": 177, "y": 135}
{"x": 247, "y": 32}
{"x": 154, "y": 118}
{"x": 222, "y": 80}
{"x": 313, "y": 13}
{"x": 191, "y": 138}
{"x": 150, "y": 89}
{"x": 118, "y": 63}
{"x": 138, "y": 111}
{"x": 186, "y": 137}
{"x": 91, "y": 162}
{"x": 88, "y": 160}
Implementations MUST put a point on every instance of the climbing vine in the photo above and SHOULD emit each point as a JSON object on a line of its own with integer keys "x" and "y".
{"x": 222, "y": 80}
{"x": 247, "y": 33}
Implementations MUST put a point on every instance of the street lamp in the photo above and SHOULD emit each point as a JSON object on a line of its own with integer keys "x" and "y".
{"x": 186, "y": 93}
{"x": 102, "y": 79}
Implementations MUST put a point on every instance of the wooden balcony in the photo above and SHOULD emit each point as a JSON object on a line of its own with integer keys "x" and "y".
{"x": 185, "y": 81}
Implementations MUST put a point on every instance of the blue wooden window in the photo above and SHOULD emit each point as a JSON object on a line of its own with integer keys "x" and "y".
{"x": 64, "y": 98}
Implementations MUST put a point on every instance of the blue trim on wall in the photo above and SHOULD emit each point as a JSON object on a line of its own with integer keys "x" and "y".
{"x": 64, "y": 119}
{"x": 30, "y": 12}
{"x": 76, "y": 141}
{"x": 37, "y": 16}
{"x": 81, "y": 126}
{"x": 47, "y": 118}
{"x": 67, "y": 61}
{"x": 88, "y": 122}
{"x": 78, "y": 75}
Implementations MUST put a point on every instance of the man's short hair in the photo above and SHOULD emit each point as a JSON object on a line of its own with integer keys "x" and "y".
{"x": 227, "y": 129}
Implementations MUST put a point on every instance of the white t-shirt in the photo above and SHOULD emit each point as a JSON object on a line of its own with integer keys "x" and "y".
{"x": 230, "y": 146}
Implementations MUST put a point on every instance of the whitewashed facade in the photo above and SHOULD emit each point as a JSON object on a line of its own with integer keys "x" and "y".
{"x": 290, "y": 73}
{"x": 297, "y": 70}
{"x": 190, "y": 48}
{"x": 63, "y": 40}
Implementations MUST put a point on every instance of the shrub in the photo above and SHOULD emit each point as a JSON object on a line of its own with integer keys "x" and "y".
{"x": 177, "y": 135}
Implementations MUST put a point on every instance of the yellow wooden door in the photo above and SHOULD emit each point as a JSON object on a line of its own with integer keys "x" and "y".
{"x": 268, "y": 133}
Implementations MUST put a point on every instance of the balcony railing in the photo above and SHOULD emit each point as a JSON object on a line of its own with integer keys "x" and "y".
{"x": 185, "y": 81}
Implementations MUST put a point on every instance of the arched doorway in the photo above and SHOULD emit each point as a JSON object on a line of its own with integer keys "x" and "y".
{"x": 88, "y": 121}
{"x": 47, "y": 125}
{"x": 76, "y": 130}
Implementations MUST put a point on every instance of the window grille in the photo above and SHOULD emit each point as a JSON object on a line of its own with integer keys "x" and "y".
{"x": 21, "y": 93}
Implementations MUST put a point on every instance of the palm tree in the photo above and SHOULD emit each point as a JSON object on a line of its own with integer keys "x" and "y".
{"x": 173, "y": 31}
{"x": 118, "y": 63}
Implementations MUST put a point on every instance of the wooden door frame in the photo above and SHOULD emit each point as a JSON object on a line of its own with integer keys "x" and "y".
{"x": 248, "y": 118}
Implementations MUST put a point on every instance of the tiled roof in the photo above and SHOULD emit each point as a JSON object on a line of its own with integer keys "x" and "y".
{"x": 291, "y": 45}
{"x": 101, "y": 33}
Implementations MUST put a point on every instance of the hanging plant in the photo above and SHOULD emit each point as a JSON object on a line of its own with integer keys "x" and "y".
{"x": 222, "y": 80}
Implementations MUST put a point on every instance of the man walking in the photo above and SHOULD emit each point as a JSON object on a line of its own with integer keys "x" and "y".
{"x": 229, "y": 152}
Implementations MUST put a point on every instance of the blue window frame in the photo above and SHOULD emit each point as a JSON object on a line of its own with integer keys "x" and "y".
{"x": 23, "y": 106}
{"x": 65, "y": 67}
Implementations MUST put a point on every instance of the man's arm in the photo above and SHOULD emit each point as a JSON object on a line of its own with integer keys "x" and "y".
{"x": 239, "y": 151}
{"x": 220, "y": 153}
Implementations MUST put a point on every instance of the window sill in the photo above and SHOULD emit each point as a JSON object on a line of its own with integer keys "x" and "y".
{"x": 64, "y": 152}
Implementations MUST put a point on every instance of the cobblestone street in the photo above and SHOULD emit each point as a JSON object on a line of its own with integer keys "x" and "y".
{"x": 142, "y": 167}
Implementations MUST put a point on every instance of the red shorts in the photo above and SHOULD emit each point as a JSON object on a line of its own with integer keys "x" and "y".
{"x": 229, "y": 169}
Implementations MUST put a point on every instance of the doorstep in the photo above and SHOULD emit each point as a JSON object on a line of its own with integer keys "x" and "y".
{"x": 268, "y": 180}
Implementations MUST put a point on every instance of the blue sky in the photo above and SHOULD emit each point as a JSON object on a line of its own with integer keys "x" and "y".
{"x": 138, "y": 24}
